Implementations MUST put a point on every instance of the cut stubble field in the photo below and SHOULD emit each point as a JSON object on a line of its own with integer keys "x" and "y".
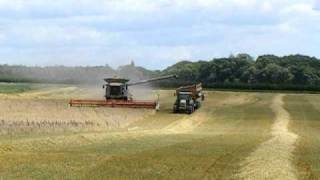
{"x": 43, "y": 138}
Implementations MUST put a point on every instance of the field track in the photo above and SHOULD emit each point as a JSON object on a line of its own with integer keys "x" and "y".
{"x": 273, "y": 158}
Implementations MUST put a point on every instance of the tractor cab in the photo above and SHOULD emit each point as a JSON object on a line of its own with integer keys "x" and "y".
{"x": 184, "y": 100}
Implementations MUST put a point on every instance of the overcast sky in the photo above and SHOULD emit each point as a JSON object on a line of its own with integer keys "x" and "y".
{"x": 153, "y": 33}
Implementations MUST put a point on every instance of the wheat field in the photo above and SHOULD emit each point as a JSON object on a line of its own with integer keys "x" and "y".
{"x": 235, "y": 135}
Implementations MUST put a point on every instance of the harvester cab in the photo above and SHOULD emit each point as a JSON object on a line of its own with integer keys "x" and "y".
{"x": 116, "y": 88}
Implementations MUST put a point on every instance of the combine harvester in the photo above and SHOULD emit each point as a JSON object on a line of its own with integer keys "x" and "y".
{"x": 188, "y": 98}
{"x": 117, "y": 95}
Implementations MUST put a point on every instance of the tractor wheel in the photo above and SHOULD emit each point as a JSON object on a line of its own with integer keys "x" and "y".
{"x": 199, "y": 105}
{"x": 175, "y": 109}
{"x": 190, "y": 109}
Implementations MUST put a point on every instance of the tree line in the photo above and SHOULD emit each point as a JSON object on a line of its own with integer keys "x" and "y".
{"x": 293, "y": 72}
{"x": 242, "y": 71}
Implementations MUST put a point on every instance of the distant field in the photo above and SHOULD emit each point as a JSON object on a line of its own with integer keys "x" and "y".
{"x": 233, "y": 136}
{"x": 15, "y": 88}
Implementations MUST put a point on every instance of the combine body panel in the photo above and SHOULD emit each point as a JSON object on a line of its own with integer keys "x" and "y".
{"x": 188, "y": 98}
{"x": 117, "y": 95}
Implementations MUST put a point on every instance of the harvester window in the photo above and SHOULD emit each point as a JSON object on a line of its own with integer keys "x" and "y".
{"x": 115, "y": 90}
